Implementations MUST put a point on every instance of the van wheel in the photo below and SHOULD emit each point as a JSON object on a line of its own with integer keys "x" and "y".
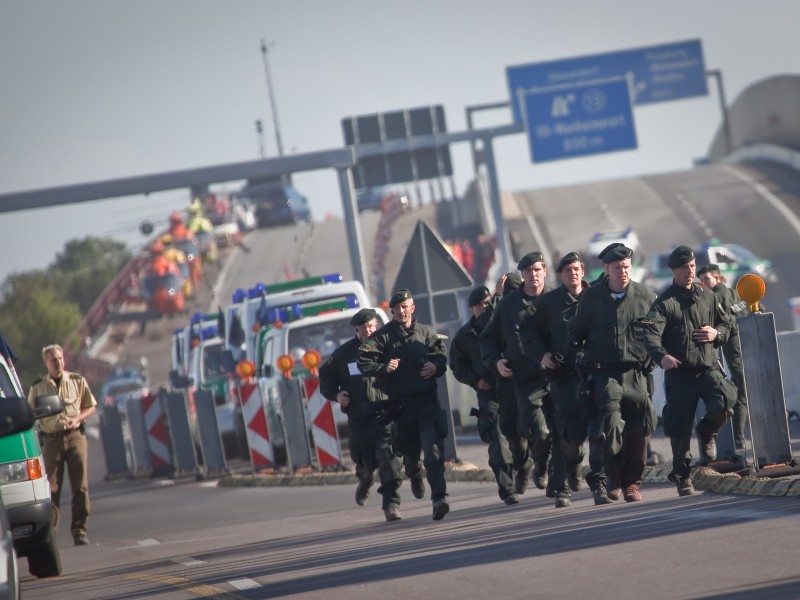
{"x": 44, "y": 560}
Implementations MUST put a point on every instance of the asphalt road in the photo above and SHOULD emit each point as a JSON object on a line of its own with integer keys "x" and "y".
{"x": 189, "y": 539}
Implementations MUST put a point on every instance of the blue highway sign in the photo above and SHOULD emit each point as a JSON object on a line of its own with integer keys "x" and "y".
{"x": 579, "y": 120}
{"x": 661, "y": 73}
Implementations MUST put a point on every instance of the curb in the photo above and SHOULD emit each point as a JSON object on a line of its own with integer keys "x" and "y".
{"x": 704, "y": 478}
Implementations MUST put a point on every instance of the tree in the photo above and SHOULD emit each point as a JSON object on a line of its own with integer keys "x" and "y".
{"x": 44, "y": 307}
{"x": 46, "y": 320}
{"x": 85, "y": 267}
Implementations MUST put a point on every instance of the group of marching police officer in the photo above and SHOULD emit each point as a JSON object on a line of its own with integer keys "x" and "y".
{"x": 552, "y": 369}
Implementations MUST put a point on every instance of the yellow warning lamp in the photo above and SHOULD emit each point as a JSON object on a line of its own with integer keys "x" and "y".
{"x": 385, "y": 305}
{"x": 277, "y": 324}
{"x": 751, "y": 289}
{"x": 255, "y": 327}
{"x": 245, "y": 370}
{"x": 311, "y": 361}
{"x": 285, "y": 364}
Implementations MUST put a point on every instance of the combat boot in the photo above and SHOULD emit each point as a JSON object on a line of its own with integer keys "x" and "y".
{"x": 418, "y": 487}
{"x": 540, "y": 475}
{"x": 562, "y": 500}
{"x": 392, "y": 512}
{"x": 632, "y": 493}
{"x": 362, "y": 492}
{"x": 708, "y": 448}
{"x": 685, "y": 486}
{"x": 440, "y": 509}
{"x": 511, "y": 500}
{"x": 601, "y": 495}
{"x": 521, "y": 480}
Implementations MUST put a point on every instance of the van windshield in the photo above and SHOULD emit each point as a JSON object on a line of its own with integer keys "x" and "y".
{"x": 6, "y": 385}
{"x": 322, "y": 337}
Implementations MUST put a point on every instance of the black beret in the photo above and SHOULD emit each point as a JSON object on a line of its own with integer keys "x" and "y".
{"x": 364, "y": 316}
{"x": 568, "y": 259}
{"x": 709, "y": 268}
{"x": 620, "y": 252}
{"x": 608, "y": 249}
{"x": 477, "y": 295}
{"x": 512, "y": 282}
{"x": 680, "y": 256}
{"x": 529, "y": 259}
{"x": 399, "y": 296}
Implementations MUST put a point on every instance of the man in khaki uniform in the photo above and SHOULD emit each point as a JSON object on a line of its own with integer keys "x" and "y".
{"x": 65, "y": 438}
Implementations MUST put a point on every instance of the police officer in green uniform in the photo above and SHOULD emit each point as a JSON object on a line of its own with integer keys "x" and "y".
{"x": 368, "y": 415}
{"x": 607, "y": 329}
{"x": 501, "y": 348}
{"x": 547, "y": 344}
{"x": 65, "y": 438}
{"x": 683, "y": 330}
{"x": 508, "y": 413}
{"x": 406, "y": 357}
{"x": 715, "y": 281}
{"x": 466, "y": 365}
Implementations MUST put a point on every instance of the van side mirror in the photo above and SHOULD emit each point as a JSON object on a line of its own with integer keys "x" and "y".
{"x": 178, "y": 382}
{"x": 47, "y": 406}
{"x": 228, "y": 364}
{"x": 16, "y": 416}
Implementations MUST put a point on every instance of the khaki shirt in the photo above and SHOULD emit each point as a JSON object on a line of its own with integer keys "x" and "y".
{"x": 73, "y": 390}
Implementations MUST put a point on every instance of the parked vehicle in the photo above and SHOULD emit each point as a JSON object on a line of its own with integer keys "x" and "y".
{"x": 277, "y": 204}
{"x": 123, "y": 385}
{"x": 24, "y": 488}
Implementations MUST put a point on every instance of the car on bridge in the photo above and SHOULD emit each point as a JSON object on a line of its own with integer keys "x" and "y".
{"x": 277, "y": 204}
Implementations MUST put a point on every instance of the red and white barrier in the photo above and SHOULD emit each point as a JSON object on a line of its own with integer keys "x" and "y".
{"x": 323, "y": 427}
{"x": 262, "y": 455}
{"x": 155, "y": 423}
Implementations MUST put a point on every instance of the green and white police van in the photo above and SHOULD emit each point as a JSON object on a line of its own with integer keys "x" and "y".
{"x": 24, "y": 488}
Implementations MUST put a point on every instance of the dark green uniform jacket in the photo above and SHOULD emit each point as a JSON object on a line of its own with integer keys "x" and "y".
{"x": 340, "y": 373}
{"x": 465, "y": 355}
{"x": 609, "y": 326}
{"x": 549, "y": 331}
{"x": 413, "y": 346}
{"x": 675, "y": 314}
{"x": 500, "y": 338}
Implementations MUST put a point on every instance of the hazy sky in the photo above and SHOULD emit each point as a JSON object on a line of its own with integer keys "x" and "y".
{"x": 98, "y": 90}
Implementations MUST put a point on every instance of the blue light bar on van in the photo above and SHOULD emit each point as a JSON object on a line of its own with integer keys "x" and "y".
{"x": 208, "y": 332}
{"x": 297, "y": 312}
{"x": 257, "y": 291}
{"x": 332, "y": 278}
{"x": 238, "y": 296}
{"x": 196, "y": 317}
{"x": 351, "y": 301}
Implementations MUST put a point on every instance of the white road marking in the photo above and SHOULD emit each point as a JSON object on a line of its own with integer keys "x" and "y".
{"x": 244, "y": 584}
{"x": 791, "y": 218}
{"x": 148, "y": 542}
{"x": 192, "y": 562}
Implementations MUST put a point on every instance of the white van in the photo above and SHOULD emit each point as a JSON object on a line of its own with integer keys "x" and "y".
{"x": 323, "y": 333}
{"x": 262, "y": 305}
